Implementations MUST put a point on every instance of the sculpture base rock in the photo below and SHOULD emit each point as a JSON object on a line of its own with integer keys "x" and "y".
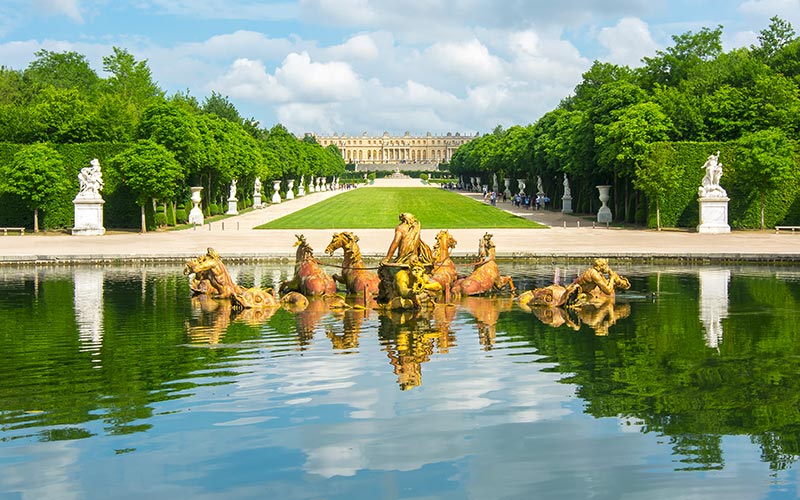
{"x": 88, "y": 217}
{"x": 713, "y": 216}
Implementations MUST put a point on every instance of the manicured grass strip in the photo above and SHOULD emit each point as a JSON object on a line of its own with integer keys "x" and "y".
{"x": 377, "y": 208}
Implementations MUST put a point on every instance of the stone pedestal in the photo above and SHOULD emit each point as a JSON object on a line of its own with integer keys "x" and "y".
{"x": 88, "y": 217}
{"x": 713, "y": 215}
{"x": 195, "y": 214}
{"x": 290, "y": 190}
{"x": 232, "y": 208}
{"x": 276, "y": 187}
{"x": 604, "y": 215}
{"x": 566, "y": 204}
{"x": 257, "y": 201}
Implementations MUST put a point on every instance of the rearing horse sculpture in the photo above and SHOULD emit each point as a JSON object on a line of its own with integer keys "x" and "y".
{"x": 309, "y": 278}
{"x": 444, "y": 270}
{"x": 355, "y": 276}
{"x": 210, "y": 270}
{"x": 486, "y": 276}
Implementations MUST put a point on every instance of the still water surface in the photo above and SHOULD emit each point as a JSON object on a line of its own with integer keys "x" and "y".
{"x": 114, "y": 383}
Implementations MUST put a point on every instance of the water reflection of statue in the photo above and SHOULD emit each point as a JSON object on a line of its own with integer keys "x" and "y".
{"x": 487, "y": 311}
{"x": 408, "y": 339}
{"x": 91, "y": 180}
{"x": 407, "y": 242}
{"x": 710, "y": 187}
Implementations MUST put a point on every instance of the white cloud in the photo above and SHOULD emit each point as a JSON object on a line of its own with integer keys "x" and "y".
{"x": 312, "y": 81}
{"x": 471, "y": 60}
{"x": 627, "y": 42}
{"x": 224, "y": 9}
{"x": 361, "y": 47}
{"x": 297, "y": 80}
{"x": 69, "y": 8}
{"x": 248, "y": 79}
{"x": 788, "y": 10}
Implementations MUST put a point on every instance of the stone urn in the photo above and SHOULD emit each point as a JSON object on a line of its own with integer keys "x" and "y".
{"x": 276, "y": 195}
{"x": 521, "y": 186}
{"x": 604, "y": 215}
{"x": 290, "y": 190}
{"x": 196, "y": 214}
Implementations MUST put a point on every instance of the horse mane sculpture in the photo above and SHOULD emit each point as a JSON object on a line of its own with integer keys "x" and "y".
{"x": 486, "y": 276}
{"x": 309, "y": 277}
{"x": 444, "y": 270}
{"x": 355, "y": 276}
{"x": 212, "y": 277}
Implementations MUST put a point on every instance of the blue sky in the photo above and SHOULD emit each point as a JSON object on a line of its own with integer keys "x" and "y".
{"x": 354, "y": 66}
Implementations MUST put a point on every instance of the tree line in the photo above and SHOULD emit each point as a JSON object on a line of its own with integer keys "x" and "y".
{"x": 162, "y": 144}
{"x": 745, "y": 102}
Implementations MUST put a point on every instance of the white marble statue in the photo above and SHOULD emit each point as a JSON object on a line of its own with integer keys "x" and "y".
{"x": 539, "y": 188}
{"x": 91, "y": 179}
{"x": 257, "y": 186}
{"x": 710, "y": 187}
{"x": 567, "y": 191}
{"x": 232, "y": 193}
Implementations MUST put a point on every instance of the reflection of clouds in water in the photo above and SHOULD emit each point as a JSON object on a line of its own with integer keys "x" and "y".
{"x": 336, "y": 460}
{"x": 244, "y": 421}
{"x": 54, "y": 463}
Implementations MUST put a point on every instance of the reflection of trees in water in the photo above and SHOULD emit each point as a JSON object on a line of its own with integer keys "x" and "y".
{"x": 655, "y": 368}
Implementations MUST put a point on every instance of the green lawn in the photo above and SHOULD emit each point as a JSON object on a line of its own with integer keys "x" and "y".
{"x": 366, "y": 208}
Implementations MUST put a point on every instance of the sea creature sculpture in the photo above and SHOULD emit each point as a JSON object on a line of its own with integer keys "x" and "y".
{"x": 212, "y": 277}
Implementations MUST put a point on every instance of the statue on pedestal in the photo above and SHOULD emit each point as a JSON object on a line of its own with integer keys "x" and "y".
{"x": 232, "y": 193}
{"x": 91, "y": 180}
{"x": 710, "y": 187}
{"x": 88, "y": 203}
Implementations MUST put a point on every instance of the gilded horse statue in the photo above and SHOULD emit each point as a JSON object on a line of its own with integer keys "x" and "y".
{"x": 212, "y": 277}
{"x": 444, "y": 270}
{"x": 486, "y": 276}
{"x": 309, "y": 277}
{"x": 355, "y": 276}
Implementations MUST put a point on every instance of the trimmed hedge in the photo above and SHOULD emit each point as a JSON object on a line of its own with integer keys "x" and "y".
{"x": 58, "y": 212}
{"x": 680, "y": 208}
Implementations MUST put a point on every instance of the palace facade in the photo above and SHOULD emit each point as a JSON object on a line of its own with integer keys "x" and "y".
{"x": 372, "y": 150}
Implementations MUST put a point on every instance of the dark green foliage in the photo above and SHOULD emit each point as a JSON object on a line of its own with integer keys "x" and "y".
{"x": 58, "y": 211}
{"x": 181, "y": 217}
{"x": 680, "y": 208}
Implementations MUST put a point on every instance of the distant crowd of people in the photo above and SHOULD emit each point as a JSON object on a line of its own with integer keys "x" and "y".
{"x": 521, "y": 200}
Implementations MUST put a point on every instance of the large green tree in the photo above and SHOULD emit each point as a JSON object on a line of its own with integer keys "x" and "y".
{"x": 766, "y": 161}
{"x": 150, "y": 171}
{"x": 65, "y": 70}
{"x": 35, "y": 174}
